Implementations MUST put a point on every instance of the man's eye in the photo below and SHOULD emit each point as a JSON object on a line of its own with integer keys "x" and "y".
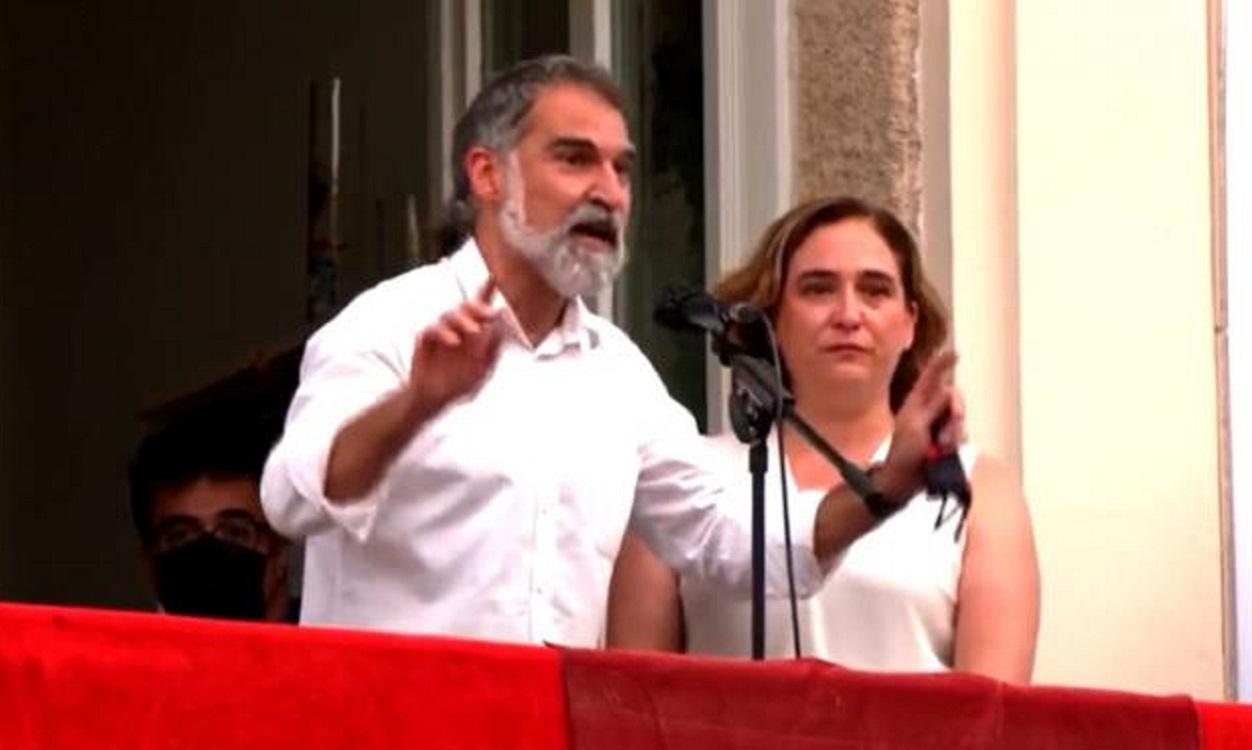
{"x": 237, "y": 531}
{"x": 177, "y": 533}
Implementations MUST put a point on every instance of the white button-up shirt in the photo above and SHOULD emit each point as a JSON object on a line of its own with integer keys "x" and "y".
{"x": 501, "y": 517}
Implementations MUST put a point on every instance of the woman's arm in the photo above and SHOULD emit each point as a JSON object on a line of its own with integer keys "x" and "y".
{"x": 997, "y": 619}
{"x": 645, "y": 611}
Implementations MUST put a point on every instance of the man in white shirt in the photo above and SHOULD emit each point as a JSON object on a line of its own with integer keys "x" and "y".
{"x": 469, "y": 442}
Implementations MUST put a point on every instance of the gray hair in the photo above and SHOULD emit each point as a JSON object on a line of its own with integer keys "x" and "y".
{"x": 495, "y": 118}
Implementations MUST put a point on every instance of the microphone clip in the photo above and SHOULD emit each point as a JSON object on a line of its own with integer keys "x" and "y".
{"x": 945, "y": 480}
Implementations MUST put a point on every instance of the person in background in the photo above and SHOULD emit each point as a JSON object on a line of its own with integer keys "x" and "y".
{"x": 856, "y": 322}
{"x": 194, "y": 497}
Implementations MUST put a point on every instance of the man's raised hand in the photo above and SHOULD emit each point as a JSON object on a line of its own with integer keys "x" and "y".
{"x": 453, "y": 356}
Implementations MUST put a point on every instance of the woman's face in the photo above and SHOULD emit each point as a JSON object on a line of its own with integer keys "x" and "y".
{"x": 843, "y": 320}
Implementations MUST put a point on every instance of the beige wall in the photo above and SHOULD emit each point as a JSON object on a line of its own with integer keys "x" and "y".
{"x": 983, "y": 197}
{"x": 1102, "y": 265}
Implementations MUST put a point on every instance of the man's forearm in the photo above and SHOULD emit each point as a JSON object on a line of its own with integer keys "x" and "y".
{"x": 841, "y": 519}
{"x": 843, "y": 516}
{"x": 365, "y": 447}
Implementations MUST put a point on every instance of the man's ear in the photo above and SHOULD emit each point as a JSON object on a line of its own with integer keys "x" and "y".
{"x": 485, "y": 170}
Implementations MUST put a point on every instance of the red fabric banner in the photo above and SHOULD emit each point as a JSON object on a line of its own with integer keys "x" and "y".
{"x": 90, "y": 679}
{"x": 74, "y": 678}
{"x": 622, "y": 701}
{"x": 1225, "y": 726}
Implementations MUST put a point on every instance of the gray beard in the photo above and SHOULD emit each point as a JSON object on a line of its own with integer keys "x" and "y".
{"x": 555, "y": 254}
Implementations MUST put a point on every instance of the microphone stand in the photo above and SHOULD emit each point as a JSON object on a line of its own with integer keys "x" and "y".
{"x": 757, "y": 399}
{"x": 753, "y": 409}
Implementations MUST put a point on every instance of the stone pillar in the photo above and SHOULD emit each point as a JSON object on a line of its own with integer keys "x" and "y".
{"x": 856, "y": 105}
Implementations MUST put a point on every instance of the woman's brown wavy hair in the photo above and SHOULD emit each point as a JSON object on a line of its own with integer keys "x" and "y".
{"x": 761, "y": 280}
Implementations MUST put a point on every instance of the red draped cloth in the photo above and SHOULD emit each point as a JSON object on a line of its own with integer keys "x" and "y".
{"x": 1225, "y": 726}
{"x": 622, "y": 701}
{"x": 73, "y": 678}
{"x": 91, "y": 679}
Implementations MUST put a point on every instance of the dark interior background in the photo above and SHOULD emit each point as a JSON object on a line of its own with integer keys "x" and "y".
{"x": 155, "y": 162}
{"x": 153, "y": 183}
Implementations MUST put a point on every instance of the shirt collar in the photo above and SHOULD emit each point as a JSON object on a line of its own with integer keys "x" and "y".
{"x": 576, "y": 329}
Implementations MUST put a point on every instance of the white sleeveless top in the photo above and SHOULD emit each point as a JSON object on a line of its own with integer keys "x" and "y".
{"x": 889, "y": 604}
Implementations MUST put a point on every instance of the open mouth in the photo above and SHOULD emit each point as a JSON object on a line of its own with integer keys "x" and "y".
{"x": 604, "y": 231}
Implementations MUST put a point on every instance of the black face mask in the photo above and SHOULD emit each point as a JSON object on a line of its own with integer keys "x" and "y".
{"x": 212, "y": 578}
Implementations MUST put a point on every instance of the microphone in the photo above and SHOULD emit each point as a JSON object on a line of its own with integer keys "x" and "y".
{"x": 681, "y": 308}
{"x": 736, "y": 328}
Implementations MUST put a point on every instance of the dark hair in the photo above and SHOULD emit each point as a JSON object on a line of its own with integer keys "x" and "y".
{"x": 220, "y": 445}
{"x": 495, "y": 118}
{"x": 762, "y": 279}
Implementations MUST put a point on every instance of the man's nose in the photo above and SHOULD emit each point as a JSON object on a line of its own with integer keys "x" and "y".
{"x": 612, "y": 189}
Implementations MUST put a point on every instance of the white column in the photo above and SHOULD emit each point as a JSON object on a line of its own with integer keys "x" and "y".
{"x": 591, "y": 39}
{"x": 454, "y": 77}
{"x": 1238, "y": 172}
{"x": 590, "y": 31}
{"x": 747, "y": 140}
{"x": 1118, "y": 377}
{"x": 983, "y": 220}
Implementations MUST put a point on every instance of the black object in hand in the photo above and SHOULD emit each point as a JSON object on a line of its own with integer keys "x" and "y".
{"x": 945, "y": 478}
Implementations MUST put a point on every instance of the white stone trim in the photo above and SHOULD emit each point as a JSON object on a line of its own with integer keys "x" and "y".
{"x": 1238, "y": 196}
{"x": 747, "y": 140}
{"x": 454, "y": 78}
{"x": 591, "y": 30}
{"x": 591, "y": 39}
